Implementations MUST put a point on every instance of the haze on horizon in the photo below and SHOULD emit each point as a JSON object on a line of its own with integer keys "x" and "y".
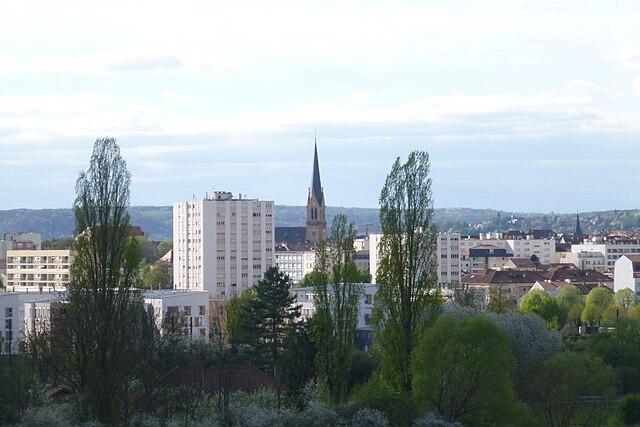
{"x": 534, "y": 109}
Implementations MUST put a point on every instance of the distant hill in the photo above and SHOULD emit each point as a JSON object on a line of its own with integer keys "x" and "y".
{"x": 156, "y": 220}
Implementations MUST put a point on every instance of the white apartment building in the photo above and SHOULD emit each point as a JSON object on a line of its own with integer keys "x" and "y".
{"x": 364, "y": 329}
{"x": 522, "y": 247}
{"x": 610, "y": 249}
{"x": 585, "y": 260}
{"x": 222, "y": 244}
{"x": 29, "y": 309}
{"x": 448, "y": 257}
{"x": 38, "y": 267}
{"x": 16, "y": 241}
{"x": 192, "y": 306}
{"x": 295, "y": 260}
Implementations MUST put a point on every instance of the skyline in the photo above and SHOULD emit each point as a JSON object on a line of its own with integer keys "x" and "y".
{"x": 533, "y": 109}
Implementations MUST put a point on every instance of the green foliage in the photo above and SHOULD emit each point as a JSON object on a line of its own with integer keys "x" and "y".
{"x": 396, "y": 405}
{"x": 596, "y": 303}
{"x": 561, "y": 382}
{"x": 627, "y": 411}
{"x": 238, "y": 325}
{"x": 271, "y": 315}
{"x": 103, "y": 306}
{"x": 626, "y": 298}
{"x": 499, "y": 301}
{"x": 407, "y": 299}
{"x": 297, "y": 362}
{"x": 156, "y": 275}
{"x": 312, "y": 278}
{"x": 571, "y": 302}
{"x": 462, "y": 370}
{"x": 620, "y": 348}
{"x": 540, "y": 303}
{"x": 336, "y": 300}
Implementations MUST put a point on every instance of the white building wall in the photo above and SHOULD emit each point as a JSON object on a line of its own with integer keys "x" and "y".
{"x": 611, "y": 251}
{"x": 623, "y": 276}
{"x": 222, "y": 245}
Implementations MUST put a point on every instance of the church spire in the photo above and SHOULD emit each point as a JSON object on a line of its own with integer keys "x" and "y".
{"x": 578, "y": 227}
{"x": 316, "y": 184}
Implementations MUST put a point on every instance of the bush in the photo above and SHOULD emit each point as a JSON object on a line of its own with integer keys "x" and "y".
{"x": 627, "y": 411}
{"x": 383, "y": 398}
{"x": 462, "y": 370}
{"x": 366, "y": 417}
{"x": 433, "y": 420}
{"x": 46, "y": 416}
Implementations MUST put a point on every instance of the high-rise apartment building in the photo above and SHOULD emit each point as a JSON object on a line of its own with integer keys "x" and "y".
{"x": 222, "y": 244}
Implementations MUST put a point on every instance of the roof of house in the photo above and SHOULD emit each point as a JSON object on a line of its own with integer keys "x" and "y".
{"x": 294, "y": 247}
{"x": 500, "y": 277}
{"x": 584, "y": 288}
{"x": 524, "y": 263}
{"x": 238, "y": 377}
{"x": 290, "y": 234}
{"x": 571, "y": 273}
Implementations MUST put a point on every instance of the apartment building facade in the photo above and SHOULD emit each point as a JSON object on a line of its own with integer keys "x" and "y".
{"x": 38, "y": 267}
{"x": 610, "y": 249}
{"x": 32, "y": 308}
{"x": 222, "y": 244}
{"x": 295, "y": 260}
{"x": 520, "y": 245}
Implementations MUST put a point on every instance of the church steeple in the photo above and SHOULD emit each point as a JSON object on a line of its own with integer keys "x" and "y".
{"x": 316, "y": 225}
{"x": 316, "y": 184}
{"x": 578, "y": 231}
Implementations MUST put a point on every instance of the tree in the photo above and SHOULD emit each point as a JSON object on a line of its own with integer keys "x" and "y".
{"x": 273, "y": 313}
{"x": 540, "y": 303}
{"x": 620, "y": 348}
{"x": 626, "y": 298}
{"x": 407, "y": 299}
{"x": 462, "y": 370}
{"x": 627, "y": 411}
{"x": 499, "y": 301}
{"x": 596, "y": 303}
{"x": 238, "y": 325}
{"x": 336, "y": 301}
{"x": 571, "y": 302}
{"x": 563, "y": 379}
{"x": 103, "y": 305}
{"x": 156, "y": 275}
{"x": 296, "y": 362}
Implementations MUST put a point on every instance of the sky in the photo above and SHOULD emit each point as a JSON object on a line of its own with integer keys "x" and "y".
{"x": 522, "y": 105}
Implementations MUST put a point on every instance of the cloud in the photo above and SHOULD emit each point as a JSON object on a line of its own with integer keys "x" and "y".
{"x": 636, "y": 86}
{"x": 138, "y": 63}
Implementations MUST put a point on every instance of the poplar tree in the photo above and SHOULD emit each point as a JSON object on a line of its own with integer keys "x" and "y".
{"x": 336, "y": 300}
{"x": 104, "y": 306}
{"x": 407, "y": 299}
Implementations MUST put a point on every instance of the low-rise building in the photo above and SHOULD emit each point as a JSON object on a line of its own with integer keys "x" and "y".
{"x": 38, "y": 267}
{"x": 31, "y": 308}
{"x": 512, "y": 283}
{"x": 295, "y": 259}
{"x": 483, "y": 257}
{"x": 305, "y": 297}
{"x": 586, "y": 260}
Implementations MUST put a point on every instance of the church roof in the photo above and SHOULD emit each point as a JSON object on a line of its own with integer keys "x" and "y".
{"x": 316, "y": 185}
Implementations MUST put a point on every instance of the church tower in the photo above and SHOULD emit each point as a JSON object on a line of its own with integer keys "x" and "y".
{"x": 578, "y": 227}
{"x": 316, "y": 226}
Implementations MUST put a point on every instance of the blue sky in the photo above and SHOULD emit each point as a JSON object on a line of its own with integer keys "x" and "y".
{"x": 523, "y": 105}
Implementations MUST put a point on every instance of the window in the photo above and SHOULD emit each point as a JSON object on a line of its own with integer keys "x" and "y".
{"x": 201, "y": 310}
{"x": 187, "y": 310}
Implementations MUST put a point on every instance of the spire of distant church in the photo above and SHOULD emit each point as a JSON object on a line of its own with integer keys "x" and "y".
{"x": 578, "y": 227}
{"x": 316, "y": 184}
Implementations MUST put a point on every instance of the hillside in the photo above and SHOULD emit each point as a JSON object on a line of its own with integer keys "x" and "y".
{"x": 156, "y": 220}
